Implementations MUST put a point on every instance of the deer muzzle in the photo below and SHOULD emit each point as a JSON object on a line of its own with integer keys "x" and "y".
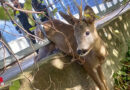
{"x": 82, "y": 52}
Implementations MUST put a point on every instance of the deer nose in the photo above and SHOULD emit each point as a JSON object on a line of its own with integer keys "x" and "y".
{"x": 81, "y": 52}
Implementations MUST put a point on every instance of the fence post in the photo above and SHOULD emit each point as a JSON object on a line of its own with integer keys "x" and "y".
{"x": 3, "y": 39}
{"x": 106, "y": 7}
{"x": 97, "y": 5}
{"x": 86, "y": 2}
{"x": 49, "y": 8}
{"x": 18, "y": 22}
{"x": 40, "y": 26}
{"x": 62, "y": 4}
{"x": 112, "y": 3}
{"x": 52, "y": 3}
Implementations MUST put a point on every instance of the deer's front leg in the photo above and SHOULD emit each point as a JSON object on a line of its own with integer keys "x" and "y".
{"x": 101, "y": 75}
{"x": 45, "y": 51}
{"x": 92, "y": 72}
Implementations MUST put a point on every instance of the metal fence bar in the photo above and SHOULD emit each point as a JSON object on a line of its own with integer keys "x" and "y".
{"x": 3, "y": 39}
{"x": 106, "y": 7}
{"x": 50, "y": 2}
{"x": 86, "y": 2}
{"x": 63, "y": 5}
{"x": 17, "y": 21}
{"x": 97, "y": 5}
{"x": 40, "y": 26}
{"x": 112, "y": 3}
{"x": 49, "y": 8}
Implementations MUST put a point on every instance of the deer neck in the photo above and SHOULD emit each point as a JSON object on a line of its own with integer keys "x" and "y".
{"x": 99, "y": 46}
{"x": 98, "y": 41}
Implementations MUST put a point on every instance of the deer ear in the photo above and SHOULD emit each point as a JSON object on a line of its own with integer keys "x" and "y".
{"x": 89, "y": 15}
{"x": 68, "y": 18}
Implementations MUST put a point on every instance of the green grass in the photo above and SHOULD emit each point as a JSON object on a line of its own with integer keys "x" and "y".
{"x": 122, "y": 77}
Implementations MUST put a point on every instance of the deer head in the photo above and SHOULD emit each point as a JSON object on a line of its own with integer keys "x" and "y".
{"x": 84, "y": 30}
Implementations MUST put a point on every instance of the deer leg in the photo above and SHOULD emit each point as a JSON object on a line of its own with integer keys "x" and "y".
{"x": 101, "y": 75}
{"x": 94, "y": 75}
{"x": 45, "y": 51}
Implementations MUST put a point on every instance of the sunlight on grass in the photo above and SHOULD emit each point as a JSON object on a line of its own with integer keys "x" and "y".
{"x": 58, "y": 63}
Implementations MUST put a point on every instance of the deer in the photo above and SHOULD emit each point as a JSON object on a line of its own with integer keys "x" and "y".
{"x": 45, "y": 50}
{"x": 86, "y": 45}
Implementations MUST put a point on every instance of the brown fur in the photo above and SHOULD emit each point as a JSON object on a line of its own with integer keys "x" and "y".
{"x": 95, "y": 56}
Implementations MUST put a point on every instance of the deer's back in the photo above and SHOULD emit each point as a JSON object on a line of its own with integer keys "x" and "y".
{"x": 61, "y": 34}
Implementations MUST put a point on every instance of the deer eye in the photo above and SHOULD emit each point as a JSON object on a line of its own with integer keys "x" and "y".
{"x": 87, "y": 33}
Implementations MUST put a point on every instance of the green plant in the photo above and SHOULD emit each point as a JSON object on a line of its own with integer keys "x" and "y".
{"x": 125, "y": 1}
{"x": 3, "y": 15}
{"x": 54, "y": 11}
{"x": 122, "y": 77}
{"x": 15, "y": 85}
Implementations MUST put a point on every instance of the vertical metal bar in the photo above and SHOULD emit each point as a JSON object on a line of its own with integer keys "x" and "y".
{"x": 105, "y": 4}
{"x": 118, "y": 1}
{"x": 57, "y": 14}
{"x": 38, "y": 20}
{"x": 17, "y": 21}
{"x": 36, "y": 17}
{"x": 49, "y": 3}
{"x": 97, "y": 5}
{"x": 49, "y": 11}
{"x": 62, "y": 4}
{"x": 112, "y": 3}
{"x": 53, "y": 7}
{"x": 40, "y": 26}
{"x": 86, "y": 2}
{"x": 49, "y": 8}
{"x": 3, "y": 39}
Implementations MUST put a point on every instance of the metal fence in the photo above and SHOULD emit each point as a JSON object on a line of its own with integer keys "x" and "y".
{"x": 99, "y": 6}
